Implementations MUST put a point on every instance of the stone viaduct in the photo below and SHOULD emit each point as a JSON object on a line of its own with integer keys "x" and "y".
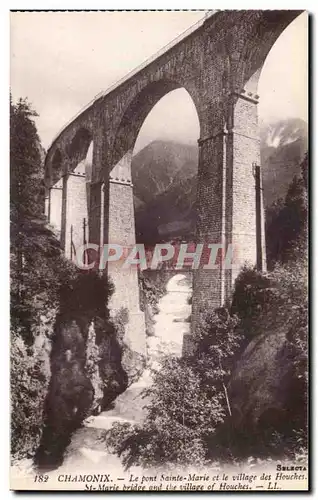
{"x": 218, "y": 61}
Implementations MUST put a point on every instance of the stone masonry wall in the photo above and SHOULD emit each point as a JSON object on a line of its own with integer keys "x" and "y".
{"x": 121, "y": 230}
{"x": 214, "y": 63}
{"x": 76, "y": 211}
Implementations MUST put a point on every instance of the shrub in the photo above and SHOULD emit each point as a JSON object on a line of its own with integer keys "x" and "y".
{"x": 280, "y": 298}
{"x": 85, "y": 362}
{"x": 271, "y": 303}
{"x": 188, "y": 403}
{"x": 286, "y": 221}
{"x": 189, "y": 419}
{"x": 181, "y": 413}
{"x": 252, "y": 297}
{"x": 29, "y": 383}
{"x": 52, "y": 303}
{"x": 152, "y": 287}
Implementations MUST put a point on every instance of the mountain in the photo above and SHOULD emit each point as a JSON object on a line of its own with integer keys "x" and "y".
{"x": 160, "y": 165}
{"x": 165, "y": 176}
{"x": 169, "y": 214}
{"x": 283, "y": 145}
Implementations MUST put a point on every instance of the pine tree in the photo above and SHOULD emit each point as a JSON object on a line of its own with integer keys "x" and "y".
{"x": 31, "y": 241}
{"x": 25, "y": 163}
{"x": 286, "y": 221}
{"x": 47, "y": 292}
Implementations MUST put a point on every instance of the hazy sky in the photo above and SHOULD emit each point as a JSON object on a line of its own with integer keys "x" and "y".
{"x": 61, "y": 60}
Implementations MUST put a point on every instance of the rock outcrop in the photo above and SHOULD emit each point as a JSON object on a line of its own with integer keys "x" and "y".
{"x": 265, "y": 391}
{"x": 86, "y": 376}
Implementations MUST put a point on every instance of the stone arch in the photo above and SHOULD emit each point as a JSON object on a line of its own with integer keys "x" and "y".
{"x": 168, "y": 321}
{"x": 53, "y": 169}
{"x": 79, "y": 145}
{"x": 57, "y": 160}
{"x": 119, "y": 218}
{"x": 242, "y": 124}
{"x": 137, "y": 111}
{"x": 259, "y": 44}
{"x": 163, "y": 276}
{"x": 89, "y": 162}
{"x": 54, "y": 202}
{"x": 78, "y": 187}
{"x": 177, "y": 276}
{"x": 77, "y": 190}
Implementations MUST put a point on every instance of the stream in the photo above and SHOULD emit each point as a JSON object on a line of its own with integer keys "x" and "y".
{"x": 87, "y": 451}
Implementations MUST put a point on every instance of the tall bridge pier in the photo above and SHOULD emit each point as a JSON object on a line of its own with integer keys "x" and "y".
{"x": 218, "y": 62}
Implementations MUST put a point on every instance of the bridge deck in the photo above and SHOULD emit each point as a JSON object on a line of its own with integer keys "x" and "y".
{"x": 139, "y": 68}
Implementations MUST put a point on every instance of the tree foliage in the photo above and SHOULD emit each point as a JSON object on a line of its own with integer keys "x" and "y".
{"x": 269, "y": 304}
{"x": 53, "y": 305}
{"x": 29, "y": 383}
{"x": 190, "y": 419}
{"x": 27, "y": 197}
{"x": 286, "y": 221}
{"x": 33, "y": 283}
{"x": 188, "y": 403}
{"x": 33, "y": 246}
{"x": 152, "y": 286}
